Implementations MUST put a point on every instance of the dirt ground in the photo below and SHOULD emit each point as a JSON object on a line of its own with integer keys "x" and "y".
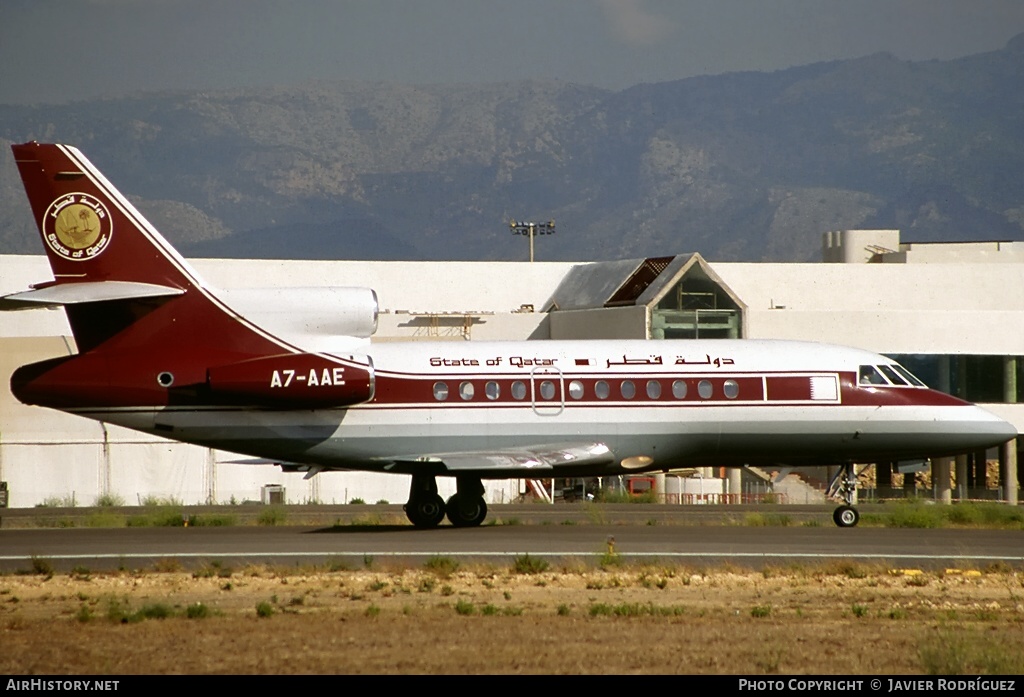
{"x": 446, "y": 618}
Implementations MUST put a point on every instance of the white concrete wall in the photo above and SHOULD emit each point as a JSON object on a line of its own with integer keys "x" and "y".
{"x": 924, "y": 308}
{"x": 844, "y": 288}
{"x": 629, "y": 322}
{"x": 895, "y": 331}
{"x": 857, "y": 246}
{"x": 958, "y": 253}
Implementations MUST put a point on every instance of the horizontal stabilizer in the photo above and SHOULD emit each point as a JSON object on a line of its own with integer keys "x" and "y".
{"x": 84, "y": 292}
{"x": 535, "y": 458}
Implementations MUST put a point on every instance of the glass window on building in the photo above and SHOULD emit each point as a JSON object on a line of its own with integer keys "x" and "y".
{"x": 983, "y": 379}
{"x": 696, "y": 308}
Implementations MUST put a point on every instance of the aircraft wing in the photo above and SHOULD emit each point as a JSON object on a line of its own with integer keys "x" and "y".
{"x": 286, "y": 466}
{"x": 534, "y": 458}
{"x": 548, "y": 458}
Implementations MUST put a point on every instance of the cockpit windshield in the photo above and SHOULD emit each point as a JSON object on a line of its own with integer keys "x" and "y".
{"x": 887, "y": 374}
{"x": 869, "y": 375}
{"x": 908, "y": 375}
{"x": 894, "y": 378}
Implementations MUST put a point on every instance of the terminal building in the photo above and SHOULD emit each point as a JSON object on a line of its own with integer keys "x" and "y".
{"x": 951, "y": 313}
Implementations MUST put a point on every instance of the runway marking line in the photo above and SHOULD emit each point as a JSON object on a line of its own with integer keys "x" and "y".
{"x": 636, "y": 555}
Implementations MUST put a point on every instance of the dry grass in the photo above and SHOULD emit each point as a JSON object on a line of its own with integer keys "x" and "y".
{"x": 449, "y": 618}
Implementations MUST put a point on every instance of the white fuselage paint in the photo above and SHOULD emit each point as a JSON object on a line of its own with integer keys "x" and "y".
{"x": 823, "y": 429}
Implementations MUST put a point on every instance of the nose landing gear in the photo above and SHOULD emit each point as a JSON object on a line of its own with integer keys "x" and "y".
{"x": 844, "y": 487}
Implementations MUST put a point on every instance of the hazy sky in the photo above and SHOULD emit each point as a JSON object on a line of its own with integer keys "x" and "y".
{"x": 60, "y": 50}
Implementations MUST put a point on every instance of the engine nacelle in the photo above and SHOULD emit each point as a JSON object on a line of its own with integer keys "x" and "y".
{"x": 308, "y": 317}
{"x": 295, "y": 381}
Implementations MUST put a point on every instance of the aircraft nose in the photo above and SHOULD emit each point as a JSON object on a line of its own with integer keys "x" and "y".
{"x": 992, "y": 428}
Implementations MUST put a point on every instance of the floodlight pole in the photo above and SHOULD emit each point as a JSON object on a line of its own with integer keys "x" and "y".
{"x": 519, "y": 227}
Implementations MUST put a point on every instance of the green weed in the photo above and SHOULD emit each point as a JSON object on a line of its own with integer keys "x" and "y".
{"x": 956, "y": 652}
{"x": 41, "y": 567}
{"x": 108, "y": 501}
{"x": 197, "y": 611}
{"x": 272, "y": 515}
{"x": 84, "y": 614}
{"x": 443, "y": 567}
{"x": 526, "y": 564}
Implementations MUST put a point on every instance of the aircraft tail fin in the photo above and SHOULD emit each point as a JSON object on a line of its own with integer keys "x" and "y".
{"x": 111, "y": 268}
{"x": 92, "y": 233}
{"x": 148, "y": 331}
{"x": 129, "y": 296}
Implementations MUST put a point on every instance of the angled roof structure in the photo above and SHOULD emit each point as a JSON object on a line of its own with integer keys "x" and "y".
{"x": 588, "y": 286}
{"x": 630, "y": 282}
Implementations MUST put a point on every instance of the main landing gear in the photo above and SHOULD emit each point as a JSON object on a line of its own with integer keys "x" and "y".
{"x": 844, "y": 486}
{"x": 465, "y": 508}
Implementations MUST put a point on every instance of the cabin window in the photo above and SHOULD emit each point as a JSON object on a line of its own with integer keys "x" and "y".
{"x": 518, "y": 390}
{"x": 440, "y": 391}
{"x": 868, "y": 375}
{"x": 628, "y": 389}
{"x": 492, "y": 390}
{"x": 705, "y": 389}
{"x": 679, "y": 389}
{"x": 602, "y": 390}
{"x": 547, "y": 390}
{"x": 731, "y": 388}
{"x": 466, "y": 390}
{"x": 576, "y": 389}
{"x": 653, "y": 389}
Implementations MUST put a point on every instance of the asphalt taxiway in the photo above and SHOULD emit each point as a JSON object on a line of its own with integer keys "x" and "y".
{"x": 694, "y": 538}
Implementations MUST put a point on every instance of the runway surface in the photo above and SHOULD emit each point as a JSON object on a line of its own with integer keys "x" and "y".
{"x": 678, "y": 536}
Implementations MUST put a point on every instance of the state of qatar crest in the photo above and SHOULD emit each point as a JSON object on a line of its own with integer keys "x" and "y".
{"x": 77, "y": 227}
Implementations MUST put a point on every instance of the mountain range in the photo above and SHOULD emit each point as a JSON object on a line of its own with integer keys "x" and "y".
{"x": 738, "y": 167}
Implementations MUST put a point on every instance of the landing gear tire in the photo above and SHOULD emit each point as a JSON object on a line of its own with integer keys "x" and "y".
{"x": 846, "y": 516}
{"x": 466, "y": 510}
{"x": 425, "y": 511}
{"x": 844, "y": 488}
